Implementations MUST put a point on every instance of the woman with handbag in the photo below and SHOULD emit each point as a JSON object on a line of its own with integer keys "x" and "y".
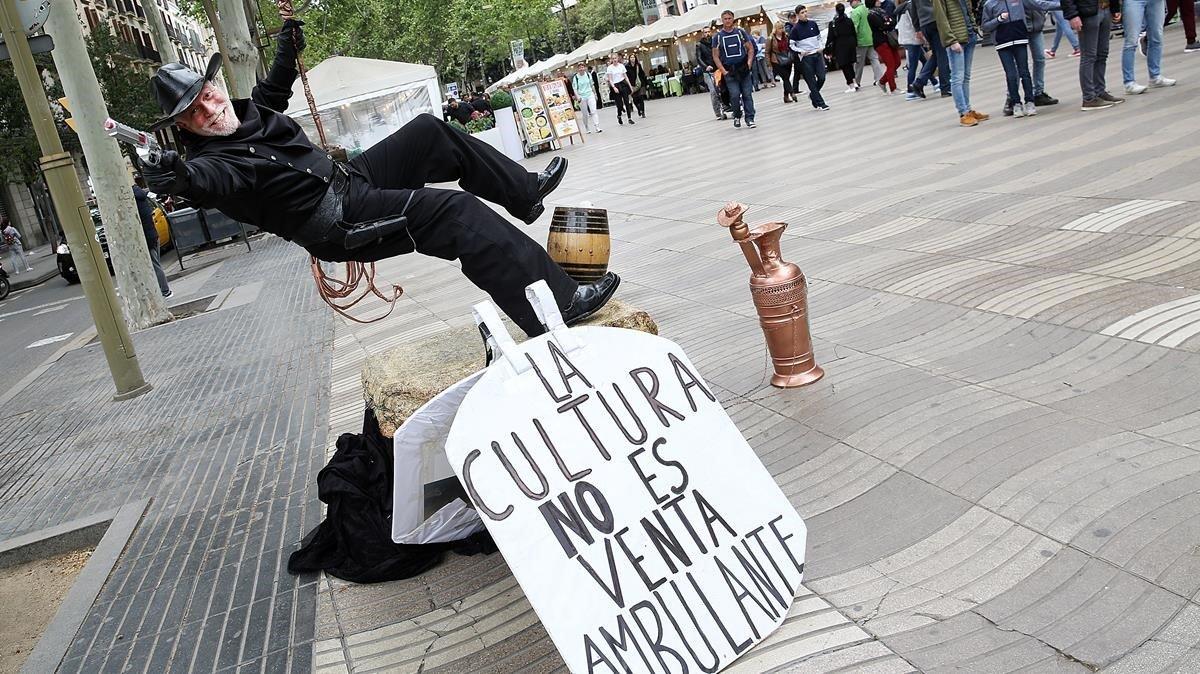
{"x": 780, "y": 57}
{"x": 885, "y": 43}
{"x": 841, "y": 45}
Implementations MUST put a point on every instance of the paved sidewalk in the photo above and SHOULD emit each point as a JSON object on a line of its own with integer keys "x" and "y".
{"x": 226, "y": 447}
{"x": 999, "y": 471}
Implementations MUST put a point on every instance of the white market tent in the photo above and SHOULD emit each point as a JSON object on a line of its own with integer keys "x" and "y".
{"x": 362, "y": 101}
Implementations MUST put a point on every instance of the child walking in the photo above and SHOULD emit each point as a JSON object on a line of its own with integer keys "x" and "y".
{"x": 1005, "y": 19}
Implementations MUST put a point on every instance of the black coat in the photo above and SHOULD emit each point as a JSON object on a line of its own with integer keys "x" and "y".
{"x": 704, "y": 54}
{"x": 267, "y": 173}
{"x": 841, "y": 41}
{"x": 1086, "y": 8}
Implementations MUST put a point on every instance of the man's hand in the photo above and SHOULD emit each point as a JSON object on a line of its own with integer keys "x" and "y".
{"x": 291, "y": 38}
{"x": 1076, "y": 24}
{"x": 956, "y": 48}
{"x": 708, "y": 69}
{"x": 170, "y": 176}
{"x": 921, "y": 37}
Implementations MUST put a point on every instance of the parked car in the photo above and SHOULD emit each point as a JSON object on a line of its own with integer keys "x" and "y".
{"x": 66, "y": 264}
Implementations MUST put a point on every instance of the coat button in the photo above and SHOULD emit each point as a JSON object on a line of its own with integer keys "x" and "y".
{"x": 272, "y": 157}
{"x": 329, "y": 156}
{"x": 309, "y": 170}
{"x": 290, "y": 164}
{"x": 327, "y": 180}
{"x": 251, "y": 150}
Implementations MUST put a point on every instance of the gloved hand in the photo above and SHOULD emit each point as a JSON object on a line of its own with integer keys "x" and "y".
{"x": 170, "y": 176}
{"x": 291, "y": 39}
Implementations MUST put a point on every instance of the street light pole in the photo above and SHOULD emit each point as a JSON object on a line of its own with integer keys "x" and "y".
{"x": 59, "y": 169}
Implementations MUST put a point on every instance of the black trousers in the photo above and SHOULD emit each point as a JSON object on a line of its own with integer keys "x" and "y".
{"x": 497, "y": 257}
{"x": 622, "y": 95}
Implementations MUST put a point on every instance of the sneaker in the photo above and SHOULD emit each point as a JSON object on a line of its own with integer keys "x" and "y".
{"x": 1161, "y": 82}
{"x": 822, "y": 107}
{"x": 737, "y": 122}
{"x": 1008, "y": 108}
{"x": 750, "y": 123}
{"x": 724, "y": 117}
{"x": 1095, "y": 104}
{"x": 1105, "y": 96}
{"x": 1045, "y": 99}
{"x": 29, "y": 269}
{"x": 621, "y": 121}
{"x": 967, "y": 120}
{"x": 168, "y": 295}
{"x": 1049, "y": 53}
{"x": 920, "y": 92}
{"x": 981, "y": 116}
{"x": 1133, "y": 88}
{"x": 883, "y": 88}
{"x": 850, "y": 90}
{"x": 1030, "y": 109}
{"x": 1142, "y": 44}
{"x": 912, "y": 96}
{"x": 1018, "y": 110}
{"x": 1075, "y": 53}
{"x": 631, "y": 122}
{"x": 1191, "y": 47}
{"x": 946, "y": 94}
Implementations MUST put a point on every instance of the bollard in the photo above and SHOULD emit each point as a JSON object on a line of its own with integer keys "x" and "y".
{"x": 780, "y": 296}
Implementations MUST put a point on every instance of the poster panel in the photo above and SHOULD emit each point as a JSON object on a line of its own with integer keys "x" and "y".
{"x": 531, "y": 110}
{"x": 642, "y": 527}
{"x": 560, "y": 107}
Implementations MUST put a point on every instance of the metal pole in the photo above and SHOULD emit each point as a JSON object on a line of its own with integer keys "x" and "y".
{"x": 67, "y": 195}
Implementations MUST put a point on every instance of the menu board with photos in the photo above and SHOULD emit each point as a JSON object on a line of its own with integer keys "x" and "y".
{"x": 562, "y": 111}
{"x": 535, "y": 118}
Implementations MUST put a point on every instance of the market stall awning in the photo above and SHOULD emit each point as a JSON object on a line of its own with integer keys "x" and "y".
{"x": 340, "y": 79}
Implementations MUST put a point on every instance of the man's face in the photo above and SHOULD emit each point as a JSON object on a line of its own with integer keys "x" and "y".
{"x": 802, "y": 15}
{"x": 581, "y": 69}
{"x": 727, "y": 21}
{"x": 211, "y": 114}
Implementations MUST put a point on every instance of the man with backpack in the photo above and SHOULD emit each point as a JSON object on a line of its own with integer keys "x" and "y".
{"x": 732, "y": 51}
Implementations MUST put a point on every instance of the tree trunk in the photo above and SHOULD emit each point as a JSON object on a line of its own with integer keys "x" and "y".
{"x": 140, "y": 297}
{"x": 211, "y": 12}
{"x": 158, "y": 30}
{"x": 243, "y": 58}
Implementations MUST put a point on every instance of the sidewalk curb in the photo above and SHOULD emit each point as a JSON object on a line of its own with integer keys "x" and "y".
{"x": 80, "y": 340}
{"x": 19, "y": 282}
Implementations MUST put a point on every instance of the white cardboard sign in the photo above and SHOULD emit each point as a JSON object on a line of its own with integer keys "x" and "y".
{"x": 642, "y": 527}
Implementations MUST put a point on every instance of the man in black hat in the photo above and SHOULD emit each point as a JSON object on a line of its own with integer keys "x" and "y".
{"x": 254, "y": 163}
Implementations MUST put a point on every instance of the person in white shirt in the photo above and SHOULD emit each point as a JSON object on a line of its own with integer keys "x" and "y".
{"x": 585, "y": 96}
{"x": 618, "y": 80}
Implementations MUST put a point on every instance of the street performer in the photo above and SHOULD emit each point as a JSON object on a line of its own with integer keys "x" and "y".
{"x": 255, "y": 164}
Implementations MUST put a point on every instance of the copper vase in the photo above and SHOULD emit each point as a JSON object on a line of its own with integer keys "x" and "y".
{"x": 780, "y": 296}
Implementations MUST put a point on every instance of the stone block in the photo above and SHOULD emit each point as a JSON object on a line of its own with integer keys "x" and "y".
{"x": 398, "y": 382}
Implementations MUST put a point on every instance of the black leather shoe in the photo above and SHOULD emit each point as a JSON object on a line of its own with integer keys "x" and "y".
{"x": 547, "y": 180}
{"x": 590, "y": 298}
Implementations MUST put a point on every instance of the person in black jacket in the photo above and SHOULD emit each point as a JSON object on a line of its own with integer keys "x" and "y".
{"x": 254, "y": 163}
{"x": 639, "y": 83}
{"x": 1092, "y": 19}
{"x": 146, "y": 215}
{"x": 841, "y": 45}
{"x": 708, "y": 66}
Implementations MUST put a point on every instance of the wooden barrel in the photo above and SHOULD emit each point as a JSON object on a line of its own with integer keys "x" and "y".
{"x": 579, "y": 242}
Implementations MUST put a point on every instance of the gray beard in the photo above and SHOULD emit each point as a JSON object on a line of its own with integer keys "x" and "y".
{"x": 228, "y": 125}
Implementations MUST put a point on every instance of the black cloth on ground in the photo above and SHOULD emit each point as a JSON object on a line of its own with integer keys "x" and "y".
{"x": 354, "y": 542}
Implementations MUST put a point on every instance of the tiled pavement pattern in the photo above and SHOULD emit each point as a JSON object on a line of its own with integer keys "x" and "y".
{"x": 999, "y": 471}
{"x": 225, "y": 447}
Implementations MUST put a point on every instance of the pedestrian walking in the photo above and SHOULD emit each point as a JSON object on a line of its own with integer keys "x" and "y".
{"x": 1092, "y": 19}
{"x": 885, "y": 45}
{"x": 866, "y": 44}
{"x": 1187, "y": 16}
{"x": 761, "y": 77}
{"x": 617, "y": 78}
{"x": 779, "y": 54}
{"x": 1062, "y": 28}
{"x": 1035, "y": 24}
{"x": 708, "y": 67}
{"x": 914, "y": 51}
{"x": 956, "y": 27}
{"x": 841, "y": 45}
{"x": 733, "y": 51}
{"x": 805, "y": 41}
{"x": 1005, "y": 21}
{"x": 12, "y": 242}
{"x": 921, "y": 12}
{"x": 585, "y": 96}
{"x": 146, "y": 215}
{"x": 1149, "y": 14}
{"x": 638, "y": 84}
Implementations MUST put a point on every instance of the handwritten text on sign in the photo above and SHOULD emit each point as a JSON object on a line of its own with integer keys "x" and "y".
{"x": 642, "y": 527}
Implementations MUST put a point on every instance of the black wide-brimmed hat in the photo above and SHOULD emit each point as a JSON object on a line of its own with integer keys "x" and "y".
{"x": 176, "y": 87}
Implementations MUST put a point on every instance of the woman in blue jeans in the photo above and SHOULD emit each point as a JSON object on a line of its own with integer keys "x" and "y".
{"x": 1061, "y": 28}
